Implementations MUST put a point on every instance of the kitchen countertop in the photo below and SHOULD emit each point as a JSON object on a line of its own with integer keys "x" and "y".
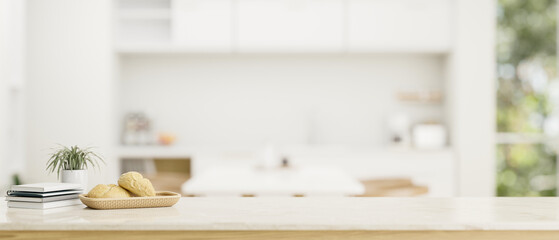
{"x": 318, "y": 213}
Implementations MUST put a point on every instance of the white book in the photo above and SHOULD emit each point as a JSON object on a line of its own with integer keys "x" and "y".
{"x": 47, "y": 205}
{"x": 46, "y": 187}
{"x": 41, "y": 199}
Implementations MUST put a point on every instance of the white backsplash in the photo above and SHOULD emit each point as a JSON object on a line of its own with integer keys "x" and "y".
{"x": 281, "y": 99}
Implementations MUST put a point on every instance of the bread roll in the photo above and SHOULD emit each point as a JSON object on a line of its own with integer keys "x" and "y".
{"x": 136, "y": 184}
{"x": 108, "y": 191}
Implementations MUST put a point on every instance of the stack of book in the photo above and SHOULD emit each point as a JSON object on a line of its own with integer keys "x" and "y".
{"x": 44, "y": 195}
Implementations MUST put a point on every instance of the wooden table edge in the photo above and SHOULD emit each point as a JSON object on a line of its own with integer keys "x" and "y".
{"x": 276, "y": 234}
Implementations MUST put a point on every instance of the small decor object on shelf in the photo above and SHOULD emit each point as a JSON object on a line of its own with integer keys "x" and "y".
{"x": 429, "y": 136}
{"x": 71, "y": 164}
{"x": 137, "y": 129}
{"x": 166, "y": 138}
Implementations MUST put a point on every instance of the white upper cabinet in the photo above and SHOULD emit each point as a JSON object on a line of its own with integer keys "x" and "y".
{"x": 203, "y": 25}
{"x": 283, "y": 26}
{"x": 289, "y": 25}
{"x": 399, "y": 25}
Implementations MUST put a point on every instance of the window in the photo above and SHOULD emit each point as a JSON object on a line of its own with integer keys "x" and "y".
{"x": 527, "y": 98}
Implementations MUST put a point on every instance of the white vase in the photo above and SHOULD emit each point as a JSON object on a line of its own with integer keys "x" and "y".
{"x": 75, "y": 176}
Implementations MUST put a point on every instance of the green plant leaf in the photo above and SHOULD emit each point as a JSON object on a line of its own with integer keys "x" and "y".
{"x": 72, "y": 158}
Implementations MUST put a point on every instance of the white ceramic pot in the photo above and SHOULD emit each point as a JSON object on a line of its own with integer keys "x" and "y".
{"x": 429, "y": 136}
{"x": 75, "y": 176}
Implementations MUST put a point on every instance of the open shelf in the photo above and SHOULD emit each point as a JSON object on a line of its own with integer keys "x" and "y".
{"x": 144, "y": 4}
{"x": 169, "y": 47}
{"x": 144, "y": 14}
{"x": 160, "y": 151}
{"x": 143, "y": 21}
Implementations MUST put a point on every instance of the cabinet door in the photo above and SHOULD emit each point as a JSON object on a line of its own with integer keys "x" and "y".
{"x": 399, "y": 25}
{"x": 203, "y": 25}
{"x": 290, "y": 25}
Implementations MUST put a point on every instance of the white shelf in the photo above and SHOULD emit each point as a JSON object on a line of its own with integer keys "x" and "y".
{"x": 143, "y": 21}
{"x": 160, "y": 151}
{"x": 154, "y": 151}
{"x": 171, "y": 48}
{"x": 145, "y": 14}
{"x": 162, "y": 48}
{"x": 144, "y": 4}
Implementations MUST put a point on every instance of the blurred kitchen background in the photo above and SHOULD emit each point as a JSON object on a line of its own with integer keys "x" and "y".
{"x": 433, "y": 98}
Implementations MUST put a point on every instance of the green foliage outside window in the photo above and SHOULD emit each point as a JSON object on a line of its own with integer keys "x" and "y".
{"x": 526, "y": 60}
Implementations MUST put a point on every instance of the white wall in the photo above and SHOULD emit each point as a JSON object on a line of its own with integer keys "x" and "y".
{"x": 472, "y": 105}
{"x": 11, "y": 88}
{"x": 284, "y": 99}
{"x": 69, "y": 81}
{"x": 3, "y": 92}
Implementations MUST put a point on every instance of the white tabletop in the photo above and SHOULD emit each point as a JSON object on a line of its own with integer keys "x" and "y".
{"x": 303, "y": 180}
{"x": 312, "y": 213}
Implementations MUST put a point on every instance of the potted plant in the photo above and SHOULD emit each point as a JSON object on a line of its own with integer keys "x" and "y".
{"x": 71, "y": 164}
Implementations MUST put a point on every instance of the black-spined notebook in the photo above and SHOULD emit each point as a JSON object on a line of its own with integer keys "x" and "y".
{"x": 11, "y": 193}
{"x": 42, "y": 199}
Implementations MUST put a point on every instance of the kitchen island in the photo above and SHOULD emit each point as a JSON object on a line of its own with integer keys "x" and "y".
{"x": 296, "y": 218}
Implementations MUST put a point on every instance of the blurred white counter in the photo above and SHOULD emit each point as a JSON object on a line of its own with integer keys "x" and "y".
{"x": 315, "y": 180}
{"x": 433, "y": 168}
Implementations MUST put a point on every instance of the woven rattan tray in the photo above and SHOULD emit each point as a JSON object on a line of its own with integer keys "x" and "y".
{"x": 162, "y": 199}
